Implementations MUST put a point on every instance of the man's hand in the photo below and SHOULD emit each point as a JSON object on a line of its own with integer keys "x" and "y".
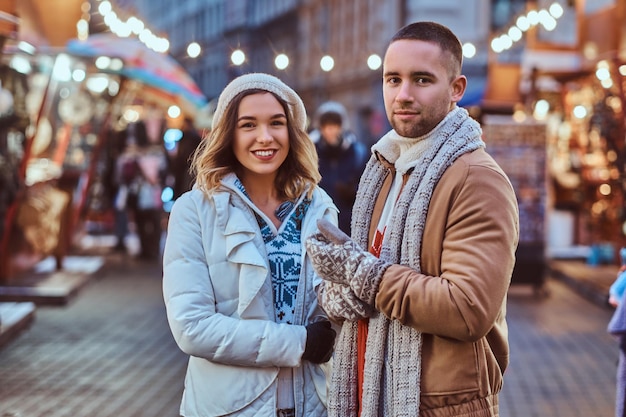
{"x": 340, "y": 302}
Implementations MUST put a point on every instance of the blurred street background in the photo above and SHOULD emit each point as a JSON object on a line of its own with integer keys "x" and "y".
{"x": 97, "y": 96}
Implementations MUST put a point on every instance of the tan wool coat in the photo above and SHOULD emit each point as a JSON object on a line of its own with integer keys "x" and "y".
{"x": 458, "y": 301}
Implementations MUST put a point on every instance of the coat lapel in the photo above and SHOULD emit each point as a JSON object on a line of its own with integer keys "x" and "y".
{"x": 244, "y": 247}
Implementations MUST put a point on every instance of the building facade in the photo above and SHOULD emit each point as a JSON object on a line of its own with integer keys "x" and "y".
{"x": 305, "y": 31}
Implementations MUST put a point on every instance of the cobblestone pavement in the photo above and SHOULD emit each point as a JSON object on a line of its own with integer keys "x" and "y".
{"x": 563, "y": 362}
{"x": 109, "y": 353}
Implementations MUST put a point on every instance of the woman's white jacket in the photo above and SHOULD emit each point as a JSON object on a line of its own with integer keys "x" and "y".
{"x": 220, "y": 308}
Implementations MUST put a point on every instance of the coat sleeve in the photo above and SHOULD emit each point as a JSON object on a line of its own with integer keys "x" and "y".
{"x": 467, "y": 262}
{"x": 330, "y": 214}
{"x": 190, "y": 300}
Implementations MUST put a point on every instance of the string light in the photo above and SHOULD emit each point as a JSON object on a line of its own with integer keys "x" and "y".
{"x": 374, "y": 62}
{"x": 327, "y": 63}
{"x": 469, "y": 50}
{"x": 547, "y": 18}
{"x": 131, "y": 26}
{"x": 281, "y": 61}
{"x": 82, "y": 26}
{"x": 194, "y": 49}
{"x": 238, "y": 57}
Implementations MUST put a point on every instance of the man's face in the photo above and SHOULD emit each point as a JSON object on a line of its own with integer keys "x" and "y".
{"x": 417, "y": 89}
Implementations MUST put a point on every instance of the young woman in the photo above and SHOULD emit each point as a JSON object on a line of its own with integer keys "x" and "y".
{"x": 238, "y": 286}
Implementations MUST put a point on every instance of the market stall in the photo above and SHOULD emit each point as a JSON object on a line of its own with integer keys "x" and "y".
{"x": 587, "y": 155}
{"x": 65, "y": 114}
{"x": 60, "y": 151}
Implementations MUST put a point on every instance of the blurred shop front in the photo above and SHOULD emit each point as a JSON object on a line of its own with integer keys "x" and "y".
{"x": 62, "y": 115}
{"x": 555, "y": 122}
{"x": 34, "y": 196}
{"x": 586, "y": 134}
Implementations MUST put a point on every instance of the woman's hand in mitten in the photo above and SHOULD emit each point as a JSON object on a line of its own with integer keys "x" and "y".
{"x": 320, "y": 342}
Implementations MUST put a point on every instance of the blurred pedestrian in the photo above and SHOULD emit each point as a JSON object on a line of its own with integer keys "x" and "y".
{"x": 342, "y": 158}
{"x": 153, "y": 170}
{"x": 421, "y": 285}
{"x": 126, "y": 179}
{"x": 617, "y": 327}
{"x": 183, "y": 180}
{"x": 140, "y": 173}
{"x": 617, "y": 289}
{"x": 238, "y": 288}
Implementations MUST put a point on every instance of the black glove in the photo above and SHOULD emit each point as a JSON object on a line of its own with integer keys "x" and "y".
{"x": 337, "y": 258}
{"x": 320, "y": 341}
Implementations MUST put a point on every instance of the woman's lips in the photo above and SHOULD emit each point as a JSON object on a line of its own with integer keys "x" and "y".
{"x": 265, "y": 153}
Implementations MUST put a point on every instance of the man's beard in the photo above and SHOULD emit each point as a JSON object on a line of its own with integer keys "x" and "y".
{"x": 408, "y": 130}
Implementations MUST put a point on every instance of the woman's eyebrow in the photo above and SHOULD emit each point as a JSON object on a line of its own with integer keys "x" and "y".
{"x": 275, "y": 116}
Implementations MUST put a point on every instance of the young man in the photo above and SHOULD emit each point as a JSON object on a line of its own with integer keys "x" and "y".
{"x": 421, "y": 286}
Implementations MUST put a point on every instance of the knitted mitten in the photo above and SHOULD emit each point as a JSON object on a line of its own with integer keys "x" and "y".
{"x": 340, "y": 302}
{"x": 337, "y": 258}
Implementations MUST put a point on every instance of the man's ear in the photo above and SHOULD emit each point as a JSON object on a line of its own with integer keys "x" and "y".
{"x": 457, "y": 88}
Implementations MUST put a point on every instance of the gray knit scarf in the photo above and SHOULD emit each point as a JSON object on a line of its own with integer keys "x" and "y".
{"x": 393, "y": 355}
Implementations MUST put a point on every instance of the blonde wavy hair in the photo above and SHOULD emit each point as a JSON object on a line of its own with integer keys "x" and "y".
{"x": 214, "y": 157}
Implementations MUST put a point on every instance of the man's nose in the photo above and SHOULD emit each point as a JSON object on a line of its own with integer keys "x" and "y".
{"x": 404, "y": 93}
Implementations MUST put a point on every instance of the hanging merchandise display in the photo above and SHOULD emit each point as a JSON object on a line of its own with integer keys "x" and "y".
{"x": 61, "y": 121}
{"x": 40, "y": 217}
{"x": 13, "y": 123}
{"x": 587, "y": 157}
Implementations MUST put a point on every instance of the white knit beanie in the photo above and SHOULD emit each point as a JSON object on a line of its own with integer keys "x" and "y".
{"x": 263, "y": 82}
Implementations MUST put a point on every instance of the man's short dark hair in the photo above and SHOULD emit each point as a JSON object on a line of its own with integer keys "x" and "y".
{"x": 436, "y": 33}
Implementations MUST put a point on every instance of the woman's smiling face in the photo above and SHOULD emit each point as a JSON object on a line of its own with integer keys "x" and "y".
{"x": 261, "y": 140}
